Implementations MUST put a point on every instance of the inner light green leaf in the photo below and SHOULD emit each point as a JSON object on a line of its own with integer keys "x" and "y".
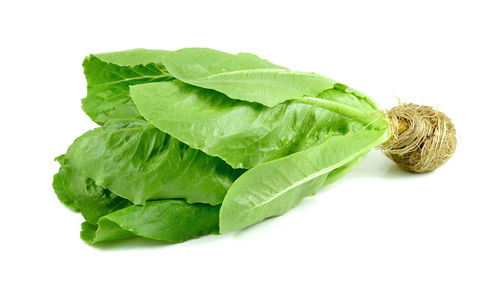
{"x": 272, "y": 188}
{"x": 247, "y": 134}
{"x": 243, "y": 76}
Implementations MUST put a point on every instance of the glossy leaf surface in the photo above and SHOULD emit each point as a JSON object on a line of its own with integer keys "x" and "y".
{"x": 168, "y": 220}
{"x": 179, "y": 129}
{"x": 82, "y": 194}
{"x": 60, "y": 190}
{"x": 138, "y": 162}
{"x": 248, "y": 134}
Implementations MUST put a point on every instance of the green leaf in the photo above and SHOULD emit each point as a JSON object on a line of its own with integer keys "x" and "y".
{"x": 347, "y": 96}
{"x": 134, "y": 57}
{"x": 343, "y": 170}
{"x": 83, "y": 194}
{"x": 108, "y": 230}
{"x": 243, "y": 76}
{"x": 168, "y": 220}
{"x": 171, "y": 177}
{"x": 273, "y": 188}
{"x": 247, "y": 134}
{"x": 138, "y": 162}
{"x": 109, "y": 217}
{"x": 60, "y": 191}
{"x": 109, "y": 76}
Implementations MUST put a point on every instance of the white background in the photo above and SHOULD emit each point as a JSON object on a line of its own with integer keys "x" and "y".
{"x": 378, "y": 226}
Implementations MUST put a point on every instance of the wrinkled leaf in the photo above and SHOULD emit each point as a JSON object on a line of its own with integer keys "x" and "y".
{"x": 168, "y": 220}
{"x": 91, "y": 200}
{"x": 243, "y": 76}
{"x": 60, "y": 191}
{"x": 138, "y": 162}
{"x": 109, "y": 76}
{"x": 247, "y": 134}
{"x": 296, "y": 132}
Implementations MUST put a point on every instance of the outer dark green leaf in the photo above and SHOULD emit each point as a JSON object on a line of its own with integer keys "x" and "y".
{"x": 138, "y": 162}
{"x": 58, "y": 185}
{"x": 108, "y": 230}
{"x": 109, "y": 76}
{"x": 243, "y": 76}
{"x": 169, "y": 220}
{"x": 83, "y": 194}
{"x": 272, "y": 188}
{"x": 247, "y": 134}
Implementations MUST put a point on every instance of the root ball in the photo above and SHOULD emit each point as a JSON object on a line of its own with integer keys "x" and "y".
{"x": 423, "y": 138}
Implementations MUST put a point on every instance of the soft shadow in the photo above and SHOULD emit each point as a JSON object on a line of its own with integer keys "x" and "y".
{"x": 376, "y": 165}
{"x": 248, "y": 229}
{"x": 137, "y": 243}
{"x": 131, "y": 244}
{"x": 396, "y": 172}
{"x": 265, "y": 226}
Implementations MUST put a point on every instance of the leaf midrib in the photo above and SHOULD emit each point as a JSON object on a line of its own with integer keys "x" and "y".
{"x": 255, "y": 71}
{"x": 314, "y": 175}
{"x": 166, "y": 75}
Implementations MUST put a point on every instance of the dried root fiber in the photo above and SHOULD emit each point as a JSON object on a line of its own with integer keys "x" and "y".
{"x": 423, "y": 138}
